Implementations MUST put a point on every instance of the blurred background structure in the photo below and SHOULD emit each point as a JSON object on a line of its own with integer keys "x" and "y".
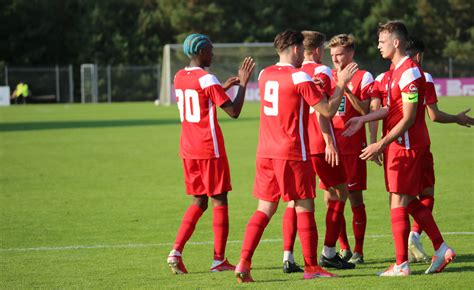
{"x": 108, "y": 51}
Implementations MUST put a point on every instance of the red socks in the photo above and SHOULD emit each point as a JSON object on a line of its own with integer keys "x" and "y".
{"x": 289, "y": 229}
{"x": 308, "y": 234}
{"x": 343, "y": 241}
{"x": 253, "y": 234}
{"x": 220, "y": 225}
{"x": 400, "y": 232}
{"x": 333, "y": 222}
{"x": 422, "y": 215}
{"x": 359, "y": 222}
{"x": 190, "y": 219}
{"x": 427, "y": 201}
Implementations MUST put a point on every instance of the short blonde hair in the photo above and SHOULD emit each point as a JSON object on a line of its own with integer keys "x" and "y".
{"x": 344, "y": 40}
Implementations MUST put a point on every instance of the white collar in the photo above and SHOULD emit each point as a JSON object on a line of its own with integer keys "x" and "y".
{"x": 401, "y": 62}
{"x": 284, "y": 64}
{"x": 189, "y": 68}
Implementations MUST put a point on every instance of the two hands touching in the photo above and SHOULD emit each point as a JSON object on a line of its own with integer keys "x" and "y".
{"x": 243, "y": 76}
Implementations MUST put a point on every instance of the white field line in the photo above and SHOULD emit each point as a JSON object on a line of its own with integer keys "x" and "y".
{"x": 157, "y": 245}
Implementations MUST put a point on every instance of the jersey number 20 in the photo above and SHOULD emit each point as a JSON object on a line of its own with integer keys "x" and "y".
{"x": 190, "y": 100}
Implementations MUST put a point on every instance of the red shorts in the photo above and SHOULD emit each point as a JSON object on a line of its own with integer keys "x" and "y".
{"x": 404, "y": 170}
{"x": 207, "y": 176}
{"x": 356, "y": 171}
{"x": 428, "y": 171}
{"x": 288, "y": 179}
{"x": 328, "y": 176}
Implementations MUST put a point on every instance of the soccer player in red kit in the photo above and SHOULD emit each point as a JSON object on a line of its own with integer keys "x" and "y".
{"x": 282, "y": 166}
{"x": 415, "y": 50}
{"x": 324, "y": 157}
{"x": 405, "y": 147}
{"x": 356, "y": 102}
{"x": 206, "y": 170}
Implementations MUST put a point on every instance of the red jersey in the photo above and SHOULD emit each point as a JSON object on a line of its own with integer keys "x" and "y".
{"x": 430, "y": 93}
{"x": 284, "y": 110}
{"x": 361, "y": 87}
{"x": 197, "y": 94}
{"x": 316, "y": 140}
{"x": 407, "y": 85}
{"x": 380, "y": 87}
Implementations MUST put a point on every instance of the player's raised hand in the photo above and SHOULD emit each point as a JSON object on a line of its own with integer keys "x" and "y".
{"x": 352, "y": 126}
{"x": 232, "y": 81}
{"x": 245, "y": 70}
{"x": 331, "y": 155}
{"x": 347, "y": 73}
{"x": 463, "y": 119}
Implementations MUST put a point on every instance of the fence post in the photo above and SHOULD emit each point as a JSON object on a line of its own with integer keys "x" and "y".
{"x": 6, "y": 75}
{"x": 109, "y": 84}
{"x": 95, "y": 86}
{"x": 71, "y": 85}
{"x": 57, "y": 84}
{"x": 450, "y": 67}
{"x": 157, "y": 81}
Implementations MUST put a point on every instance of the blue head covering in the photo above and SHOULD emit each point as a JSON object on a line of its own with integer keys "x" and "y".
{"x": 194, "y": 42}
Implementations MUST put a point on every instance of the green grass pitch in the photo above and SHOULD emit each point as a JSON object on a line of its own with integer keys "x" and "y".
{"x": 91, "y": 196}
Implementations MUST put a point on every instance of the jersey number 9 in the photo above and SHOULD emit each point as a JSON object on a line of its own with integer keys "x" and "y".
{"x": 271, "y": 95}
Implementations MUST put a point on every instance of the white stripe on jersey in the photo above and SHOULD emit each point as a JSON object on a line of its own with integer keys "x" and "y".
{"x": 260, "y": 74}
{"x": 323, "y": 69}
{"x": 367, "y": 79}
{"x": 303, "y": 148}
{"x": 407, "y": 140}
{"x": 300, "y": 77}
{"x": 333, "y": 136}
{"x": 379, "y": 78}
{"x": 429, "y": 78}
{"x": 213, "y": 129}
{"x": 208, "y": 80}
{"x": 409, "y": 76}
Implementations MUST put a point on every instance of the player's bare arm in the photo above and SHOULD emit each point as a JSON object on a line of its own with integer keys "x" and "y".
{"x": 234, "y": 108}
{"x": 361, "y": 106}
{"x": 436, "y": 115}
{"x": 374, "y": 127}
{"x": 331, "y": 153}
{"x": 329, "y": 108}
{"x": 409, "y": 116}
{"x": 354, "y": 124}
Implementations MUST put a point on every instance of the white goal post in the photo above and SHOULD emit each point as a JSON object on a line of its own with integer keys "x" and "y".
{"x": 89, "y": 83}
{"x": 226, "y": 61}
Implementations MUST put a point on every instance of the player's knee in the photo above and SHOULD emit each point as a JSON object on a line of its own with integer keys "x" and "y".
{"x": 201, "y": 201}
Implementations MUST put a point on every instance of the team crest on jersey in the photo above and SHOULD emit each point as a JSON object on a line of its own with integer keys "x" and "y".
{"x": 350, "y": 86}
{"x": 413, "y": 89}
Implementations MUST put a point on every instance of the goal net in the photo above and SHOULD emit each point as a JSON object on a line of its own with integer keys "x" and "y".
{"x": 226, "y": 61}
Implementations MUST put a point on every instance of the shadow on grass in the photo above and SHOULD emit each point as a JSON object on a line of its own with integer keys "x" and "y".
{"x": 54, "y": 125}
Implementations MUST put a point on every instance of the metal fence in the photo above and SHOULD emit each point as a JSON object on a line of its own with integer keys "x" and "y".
{"x": 66, "y": 84}
{"x": 46, "y": 84}
{"x": 127, "y": 83}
